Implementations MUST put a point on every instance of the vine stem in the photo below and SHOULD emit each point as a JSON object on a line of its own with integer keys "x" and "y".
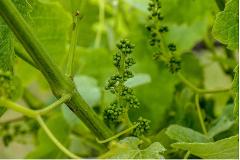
{"x": 59, "y": 83}
{"x": 55, "y": 104}
{"x": 16, "y": 107}
{"x": 54, "y": 139}
{"x": 30, "y": 112}
{"x": 117, "y": 135}
{"x": 73, "y": 44}
{"x": 198, "y": 90}
{"x": 200, "y": 114}
{"x": 187, "y": 155}
{"x": 20, "y": 53}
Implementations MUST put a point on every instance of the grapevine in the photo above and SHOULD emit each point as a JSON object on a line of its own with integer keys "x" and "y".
{"x": 72, "y": 87}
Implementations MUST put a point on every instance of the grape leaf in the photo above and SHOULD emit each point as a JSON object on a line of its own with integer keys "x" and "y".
{"x": 128, "y": 148}
{"x": 51, "y": 24}
{"x": 183, "y": 134}
{"x": 6, "y": 52}
{"x": 6, "y": 47}
{"x": 223, "y": 149}
{"x": 215, "y": 78}
{"x": 226, "y": 25}
{"x": 7, "y": 55}
{"x": 223, "y": 123}
{"x": 188, "y": 21}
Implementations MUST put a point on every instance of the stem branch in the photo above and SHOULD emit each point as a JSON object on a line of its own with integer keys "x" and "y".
{"x": 200, "y": 114}
{"x": 72, "y": 48}
{"x": 199, "y": 90}
{"x": 117, "y": 135}
{"x": 25, "y": 111}
{"x": 60, "y": 101}
{"x": 54, "y": 139}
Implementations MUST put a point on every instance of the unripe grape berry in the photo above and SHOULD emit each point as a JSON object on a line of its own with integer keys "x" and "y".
{"x": 142, "y": 128}
{"x": 172, "y": 47}
{"x": 174, "y": 65}
{"x": 112, "y": 113}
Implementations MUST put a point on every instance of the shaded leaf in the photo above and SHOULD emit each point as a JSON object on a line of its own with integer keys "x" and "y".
{"x": 183, "y": 134}
{"x": 138, "y": 79}
{"x": 223, "y": 149}
{"x": 223, "y": 123}
{"x": 89, "y": 89}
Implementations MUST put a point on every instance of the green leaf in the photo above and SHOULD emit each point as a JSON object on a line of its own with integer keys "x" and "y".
{"x": 6, "y": 52}
{"x": 223, "y": 123}
{"x": 46, "y": 148}
{"x": 191, "y": 68}
{"x": 138, "y": 79}
{"x": 186, "y": 11}
{"x": 89, "y": 89}
{"x": 223, "y": 149}
{"x": 216, "y": 78}
{"x": 6, "y": 47}
{"x": 51, "y": 24}
{"x": 7, "y": 55}
{"x": 128, "y": 148}
{"x": 225, "y": 28}
{"x": 183, "y": 134}
{"x": 188, "y": 21}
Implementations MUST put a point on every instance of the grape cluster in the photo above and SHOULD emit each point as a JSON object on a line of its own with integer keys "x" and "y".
{"x": 157, "y": 31}
{"x": 129, "y": 97}
{"x": 6, "y": 84}
{"x": 142, "y": 127}
{"x": 129, "y": 62}
{"x": 154, "y": 8}
{"x": 112, "y": 113}
{"x": 172, "y": 47}
{"x": 174, "y": 64}
{"x": 125, "y": 46}
{"x": 125, "y": 97}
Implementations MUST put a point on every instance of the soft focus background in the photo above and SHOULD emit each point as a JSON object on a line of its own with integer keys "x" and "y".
{"x": 164, "y": 100}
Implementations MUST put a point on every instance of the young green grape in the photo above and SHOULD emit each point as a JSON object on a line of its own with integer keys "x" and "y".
{"x": 166, "y": 51}
{"x": 125, "y": 99}
{"x": 142, "y": 128}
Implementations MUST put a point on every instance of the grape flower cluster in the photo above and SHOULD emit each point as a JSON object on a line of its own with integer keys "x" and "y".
{"x": 125, "y": 97}
{"x": 157, "y": 31}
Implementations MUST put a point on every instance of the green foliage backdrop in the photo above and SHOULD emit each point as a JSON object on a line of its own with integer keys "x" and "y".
{"x": 192, "y": 110}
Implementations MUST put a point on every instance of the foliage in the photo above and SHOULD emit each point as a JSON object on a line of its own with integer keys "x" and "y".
{"x": 174, "y": 63}
{"x": 226, "y": 25}
{"x": 128, "y": 148}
